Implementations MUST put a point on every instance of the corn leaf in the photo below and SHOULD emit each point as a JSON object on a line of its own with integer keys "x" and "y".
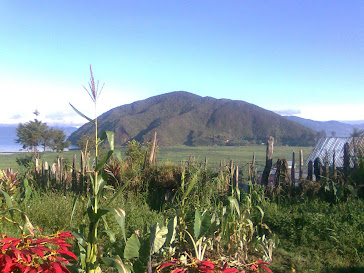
{"x": 82, "y": 115}
{"x": 116, "y": 263}
{"x": 119, "y": 215}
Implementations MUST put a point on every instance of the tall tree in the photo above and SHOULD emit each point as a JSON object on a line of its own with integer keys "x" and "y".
{"x": 30, "y": 134}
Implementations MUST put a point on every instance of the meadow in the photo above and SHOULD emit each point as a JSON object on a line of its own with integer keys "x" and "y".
{"x": 241, "y": 155}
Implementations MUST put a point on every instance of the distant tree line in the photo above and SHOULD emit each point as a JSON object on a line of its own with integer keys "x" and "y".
{"x": 36, "y": 133}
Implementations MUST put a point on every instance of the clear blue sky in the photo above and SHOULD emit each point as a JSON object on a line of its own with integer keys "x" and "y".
{"x": 304, "y": 57}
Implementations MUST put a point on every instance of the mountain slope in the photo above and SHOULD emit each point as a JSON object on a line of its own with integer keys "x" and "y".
{"x": 184, "y": 118}
{"x": 340, "y": 129}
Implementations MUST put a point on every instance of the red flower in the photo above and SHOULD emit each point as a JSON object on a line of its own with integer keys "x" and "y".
{"x": 206, "y": 266}
{"x": 30, "y": 255}
{"x": 230, "y": 270}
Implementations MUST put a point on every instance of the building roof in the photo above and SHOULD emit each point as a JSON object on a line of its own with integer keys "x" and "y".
{"x": 335, "y": 145}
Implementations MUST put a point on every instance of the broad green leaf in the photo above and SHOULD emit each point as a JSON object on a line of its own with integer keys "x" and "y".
{"x": 28, "y": 190}
{"x": 111, "y": 235}
{"x": 132, "y": 247}
{"x": 191, "y": 184}
{"x": 8, "y": 201}
{"x": 171, "y": 235}
{"x": 110, "y": 138}
{"x": 117, "y": 153}
{"x": 205, "y": 224}
{"x": 101, "y": 163}
{"x": 238, "y": 193}
{"x": 116, "y": 263}
{"x": 197, "y": 224}
{"x": 158, "y": 238}
{"x": 107, "y": 231}
{"x": 82, "y": 247}
{"x": 234, "y": 204}
{"x": 82, "y": 115}
{"x": 101, "y": 182}
{"x": 119, "y": 215}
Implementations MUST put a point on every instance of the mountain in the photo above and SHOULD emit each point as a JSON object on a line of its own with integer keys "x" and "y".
{"x": 340, "y": 129}
{"x": 185, "y": 118}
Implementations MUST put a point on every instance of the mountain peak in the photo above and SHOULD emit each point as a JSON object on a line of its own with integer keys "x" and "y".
{"x": 182, "y": 117}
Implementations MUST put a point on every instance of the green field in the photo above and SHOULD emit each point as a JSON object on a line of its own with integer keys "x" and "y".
{"x": 241, "y": 155}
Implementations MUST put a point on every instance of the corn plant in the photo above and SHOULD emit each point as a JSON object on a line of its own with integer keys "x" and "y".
{"x": 90, "y": 258}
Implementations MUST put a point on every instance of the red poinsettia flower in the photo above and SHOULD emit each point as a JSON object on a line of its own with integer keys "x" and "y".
{"x": 35, "y": 255}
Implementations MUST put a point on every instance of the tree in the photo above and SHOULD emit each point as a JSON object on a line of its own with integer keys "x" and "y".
{"x": 30, "y": 134}
{"x": 357, "y": 133}
{"x": 86, "y": 141}
{"x": 34, "y": 133}
{"x": 57, "y": 140}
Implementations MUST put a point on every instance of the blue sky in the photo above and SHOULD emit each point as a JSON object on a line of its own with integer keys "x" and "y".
{"x": 302, "y": 57}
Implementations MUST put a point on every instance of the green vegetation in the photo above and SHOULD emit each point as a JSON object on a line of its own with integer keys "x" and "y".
{"x": 300, "y": 232}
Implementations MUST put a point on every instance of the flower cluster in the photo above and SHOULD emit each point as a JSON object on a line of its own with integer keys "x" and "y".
{"x": 33, "y": 255}
{"x": 206, "y": 266}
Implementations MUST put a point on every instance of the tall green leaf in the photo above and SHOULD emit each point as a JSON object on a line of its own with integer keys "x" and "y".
{"x": 110, "y": 138}
{"x": 82, "y": 115}
{"x": 119, "y": 215}
{"x": 116, "y": 263}
{"x": 191, "y": 184}
{"x": 234, "y": 204}
{"x": 8, "y": 201}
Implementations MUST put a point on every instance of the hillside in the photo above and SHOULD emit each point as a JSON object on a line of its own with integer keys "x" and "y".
{"x": 340, "y": 129}
{"x": 182, "y": 118}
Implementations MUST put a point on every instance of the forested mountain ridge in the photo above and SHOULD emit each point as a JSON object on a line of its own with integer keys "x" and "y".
{"x": 183, "y": 118}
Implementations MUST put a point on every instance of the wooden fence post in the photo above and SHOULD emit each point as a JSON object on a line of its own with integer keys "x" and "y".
{"x": 253, "y": 171}
{"x": 317, "y": 168}
{"x": 346, "y": 160}
{"x": 301, "y": 165}
{"x": 334, "y": 170}
{"x": 309, "y": 170}
{"x": 293, "y": 171}
{"x": 282, "y": 172}
{"x": 268, "y": 161}
{"x": 152, "y": 151}
{"x": 326, "y": 172}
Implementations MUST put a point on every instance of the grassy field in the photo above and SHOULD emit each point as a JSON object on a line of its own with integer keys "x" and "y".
{"x": 240, "y": 155}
